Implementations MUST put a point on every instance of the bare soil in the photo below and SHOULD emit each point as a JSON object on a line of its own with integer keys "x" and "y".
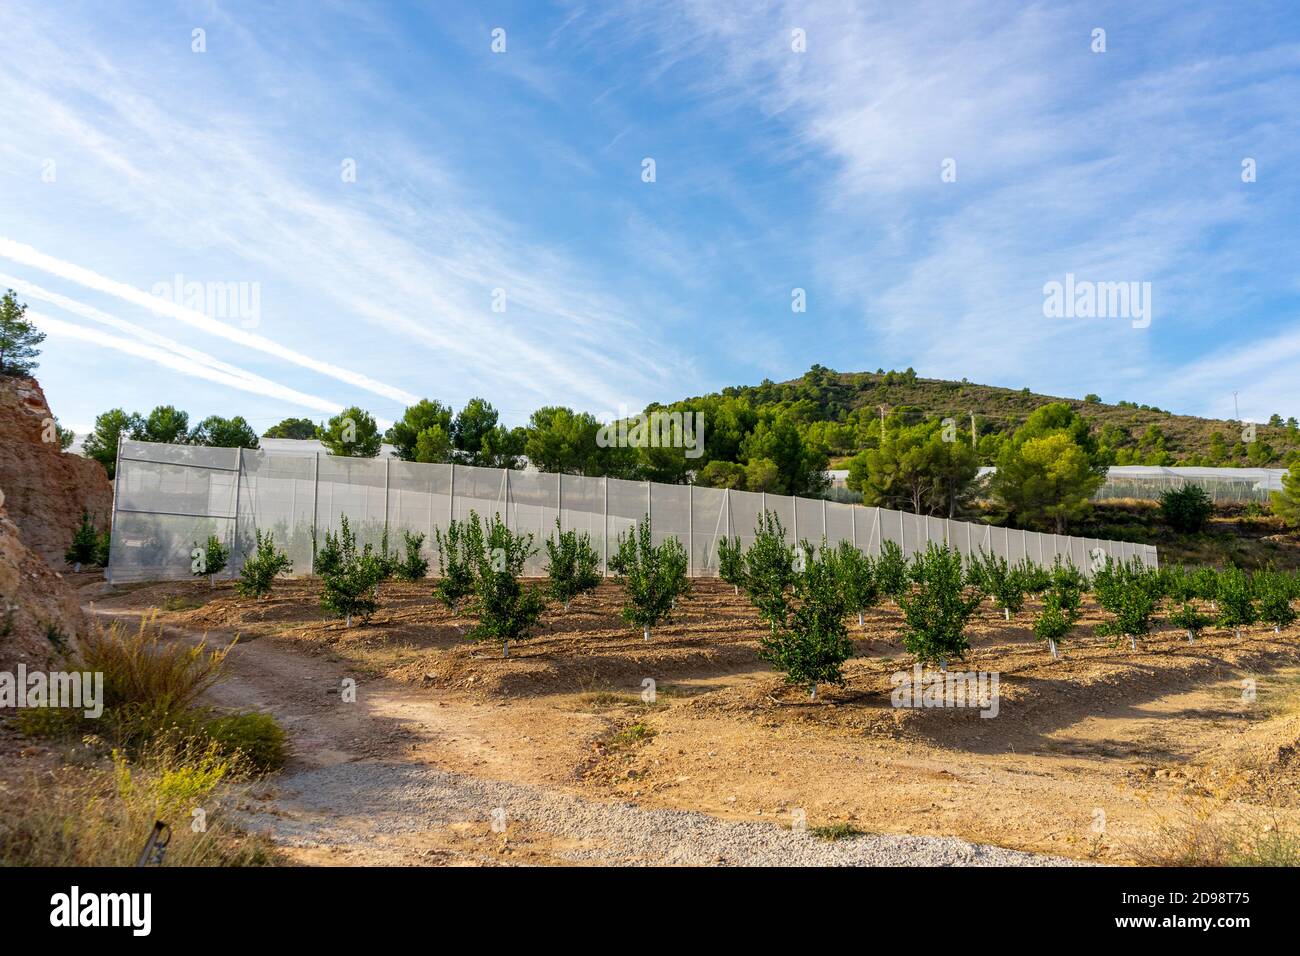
{"x": 1086, "y": 756}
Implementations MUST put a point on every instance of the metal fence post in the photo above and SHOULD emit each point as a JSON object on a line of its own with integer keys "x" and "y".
{"x": 505, "y": 480}
{"x": 388, "y": 462}
{"x": 315, "y": 496}
{"x": 112, "y": 520}
{"x": 690, "y": 530}
{"x": 604, "y": 525}
{"x": 239, "y": 477}
{"x": 451, "y": 497}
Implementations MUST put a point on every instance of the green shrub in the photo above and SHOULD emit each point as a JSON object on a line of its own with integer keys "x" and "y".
{"x": 935, "y": 612}
{"x": 261, "y": 569}
{"x": 255, "y": 741}
{"x": 103, "y": 548}
{"x": 85, "y": 544}
{"x": 573, "y": 566}
{"x": 459, "y": 552}
{"x": 812, "y": 644}
{"x": 507, "y": 610}
{"x": 1186, "y": 510}
{"x": 413, "y": 566}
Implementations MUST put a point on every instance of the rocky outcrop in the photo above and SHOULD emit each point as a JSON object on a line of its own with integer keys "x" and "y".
{"x": 45, "y": 489}
{"x": 39, "y": 614}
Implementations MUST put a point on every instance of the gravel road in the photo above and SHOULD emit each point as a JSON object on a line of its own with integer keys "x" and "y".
{"x": 383, "y": 800}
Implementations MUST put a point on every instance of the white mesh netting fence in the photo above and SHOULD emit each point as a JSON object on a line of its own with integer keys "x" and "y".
{"x": 170, "y": 498}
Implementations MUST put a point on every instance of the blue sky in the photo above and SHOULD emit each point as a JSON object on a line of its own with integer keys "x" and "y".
{"x": 128, "y": 159}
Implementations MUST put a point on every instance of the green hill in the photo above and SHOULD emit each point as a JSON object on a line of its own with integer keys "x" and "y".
{"x": 849, "y": 402}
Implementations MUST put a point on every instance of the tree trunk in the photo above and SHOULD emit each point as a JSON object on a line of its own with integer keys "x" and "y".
{"x": 505, "y": 648}
{"x": 737, "y": 588}
{"x": 812, "y": 692}
{"x": 348, "y": 622}
{"x": 860, "y": 621}
{"x": 1133, "y": 642}
{"x": 1052, "y": 646}
{"x": 1190, "y": 638}
{"x": 646, "y": 634}
{"x": 1006, "y": 612}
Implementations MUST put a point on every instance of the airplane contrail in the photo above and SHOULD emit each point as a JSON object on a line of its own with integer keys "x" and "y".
{"x": 28, "y": 256}
{"x": 179, "y": 363}
{"x": 263, "y": 386}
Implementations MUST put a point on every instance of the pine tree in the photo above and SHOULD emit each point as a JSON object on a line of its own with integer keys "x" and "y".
{"x": 19, "y": 338}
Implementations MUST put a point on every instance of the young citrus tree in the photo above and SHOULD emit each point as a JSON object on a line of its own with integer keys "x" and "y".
{"x": 261, "y": 569}
{"x": 770, "y": 570}
{"x": 731, "y": 563}
{"x": 648, "y": 576}
{"x": 1002, "y": 582}
{"x": 413, "y": 565}
{"x": 1236, "y": 600}
{"x": 574, "y": 565}
{"x": 812, "y": 644}
{"x": 891, "y": 571}
{"x": 1130, "y": 593}
{"x": 349, "y": 588}
{"x": 1189, "y": 619}
{"x": 1058, "y": 616}
{"x": 507, "y": 609}
{"x": 857, "y": 576}
{"x": 935, "y": 612}
{"x": 1275, "y": 591}
{"x": 329, "y": 557}
{"x": 459, "y": 552}
{"x": 214, "y": 556}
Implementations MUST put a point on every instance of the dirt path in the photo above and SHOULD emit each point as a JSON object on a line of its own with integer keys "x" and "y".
{"x": 403, "y": 775}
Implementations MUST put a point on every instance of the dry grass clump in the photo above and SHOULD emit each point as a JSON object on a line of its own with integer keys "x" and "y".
{"x": 102, "y": 816}
{"x": 1204, "y": 834}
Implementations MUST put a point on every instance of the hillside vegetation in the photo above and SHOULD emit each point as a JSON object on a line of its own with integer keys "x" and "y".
{"x": 849, "y": 405}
